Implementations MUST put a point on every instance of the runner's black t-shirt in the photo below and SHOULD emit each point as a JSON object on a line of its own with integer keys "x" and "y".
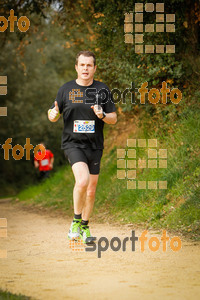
{"x": 82, "y": 128}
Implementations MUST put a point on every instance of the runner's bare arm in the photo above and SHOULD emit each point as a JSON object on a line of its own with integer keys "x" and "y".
{"x": 51, "y": 162}
{"x": 109, "y": 118}
{"x": 36, "y": 163}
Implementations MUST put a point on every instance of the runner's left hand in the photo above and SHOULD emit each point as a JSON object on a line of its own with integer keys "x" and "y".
{"x": 98, "y": 110}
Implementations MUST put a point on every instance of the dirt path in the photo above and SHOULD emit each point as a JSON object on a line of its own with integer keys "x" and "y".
{"x": 41, "y": 264}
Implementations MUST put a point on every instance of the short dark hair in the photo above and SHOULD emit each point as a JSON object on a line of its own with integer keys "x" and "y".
{"x": 43, "y": 143}
{"x": 87, "y": 54}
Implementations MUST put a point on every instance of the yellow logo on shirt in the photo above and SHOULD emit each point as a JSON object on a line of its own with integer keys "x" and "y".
{"x": 75, "y": 93}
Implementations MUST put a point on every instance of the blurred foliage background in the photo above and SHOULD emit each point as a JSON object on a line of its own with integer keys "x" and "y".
{"x": 39, "y": 61}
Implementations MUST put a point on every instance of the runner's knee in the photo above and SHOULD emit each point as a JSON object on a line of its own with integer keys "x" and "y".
{"x": 82, "y": 184}
{"x": 91, "y": 192}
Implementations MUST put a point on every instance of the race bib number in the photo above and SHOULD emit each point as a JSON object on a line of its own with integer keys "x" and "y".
{"x": 81, "y": 126}
{"x": 44, "y": 162}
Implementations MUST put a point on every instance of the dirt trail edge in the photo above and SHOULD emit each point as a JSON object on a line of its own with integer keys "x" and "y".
{"x": 41, "y": 264}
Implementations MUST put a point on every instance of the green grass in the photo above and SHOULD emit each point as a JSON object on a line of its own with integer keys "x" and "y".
{"x": 4, "y": 295}
{"x": 177, "y": 208}
{"x": 56, "y": 191}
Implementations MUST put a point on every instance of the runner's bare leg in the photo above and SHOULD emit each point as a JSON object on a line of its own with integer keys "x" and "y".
{"x": 90, "y": 197}
{"x": 82, "y": 175}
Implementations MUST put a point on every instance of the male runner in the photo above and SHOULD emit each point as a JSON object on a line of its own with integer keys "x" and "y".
{"x": 86, "y": 104}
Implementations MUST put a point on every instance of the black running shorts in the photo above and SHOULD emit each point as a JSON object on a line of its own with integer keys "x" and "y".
{"x": 91, "y": 157}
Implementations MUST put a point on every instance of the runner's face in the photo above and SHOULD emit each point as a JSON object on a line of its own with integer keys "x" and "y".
{"x": 85, "y": 68}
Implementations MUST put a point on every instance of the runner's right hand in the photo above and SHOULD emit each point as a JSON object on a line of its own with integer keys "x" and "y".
{"x": 53, "y": 114}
